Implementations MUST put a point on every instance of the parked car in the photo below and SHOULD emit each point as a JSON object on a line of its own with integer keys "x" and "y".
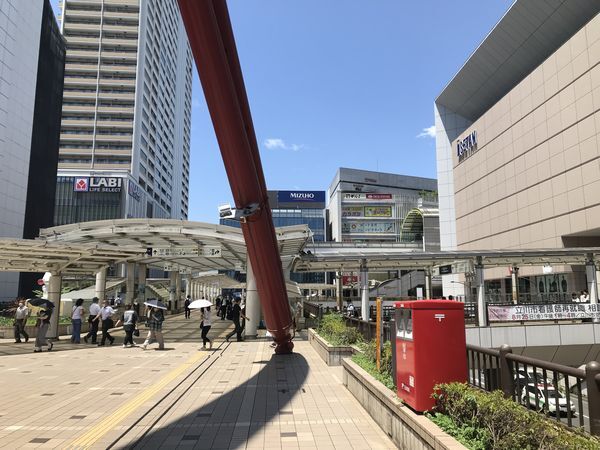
{"x": 531, "y": 377}
{"x": 546, "y": 403}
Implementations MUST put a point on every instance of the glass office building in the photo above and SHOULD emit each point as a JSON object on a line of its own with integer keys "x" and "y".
{"x": 31, "y": 85}
{"x": 297, "y": 208}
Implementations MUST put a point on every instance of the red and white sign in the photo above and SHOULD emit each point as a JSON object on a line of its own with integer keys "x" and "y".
{"x": 81, "y": 185}
{"x": 568, "y": 311}
{"x": 379, "y": 196}
{"x": 349, "y": 279}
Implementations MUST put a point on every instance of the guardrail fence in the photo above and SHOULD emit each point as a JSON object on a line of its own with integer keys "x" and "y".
{"x": 570, "y": 395}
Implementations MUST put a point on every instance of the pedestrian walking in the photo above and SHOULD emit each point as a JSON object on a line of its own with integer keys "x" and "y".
{"x": 76, "y": 318}
{"x": 223, "y": 309}
{"x": 236, "y": 315}
{"x": 105, "y": 315}
{"x": 21, "y": 315}
{"x": 218, "y": 303}
{"x": 350, "y": 309}
{"x": 186, "y": 305}
{"x": 205, "y": 326}
{"x": 42, "y": 324}
{"x": 118, "y": 301}
{"x": 129, "y": 320}
{"x": 93, "y": 322}
{"x": 297, "y": 315}
{"x": 154, "y": 321}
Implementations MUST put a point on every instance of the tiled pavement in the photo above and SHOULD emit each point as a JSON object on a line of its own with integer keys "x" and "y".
{"x": 238, "y": 396}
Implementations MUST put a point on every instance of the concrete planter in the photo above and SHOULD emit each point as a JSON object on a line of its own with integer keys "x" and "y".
{"x": 8, "y": 332}
{"x": 332, "y": 355}
{"x": 407, "y": 429}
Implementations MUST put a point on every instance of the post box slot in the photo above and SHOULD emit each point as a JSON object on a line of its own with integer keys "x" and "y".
{"x": 404, "y": 324}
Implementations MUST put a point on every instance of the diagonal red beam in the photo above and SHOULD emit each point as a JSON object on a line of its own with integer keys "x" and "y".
{"x": 213, "y": 45}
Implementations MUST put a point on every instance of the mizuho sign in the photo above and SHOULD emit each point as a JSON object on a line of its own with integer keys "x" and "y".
{"x": 467, "y": 146}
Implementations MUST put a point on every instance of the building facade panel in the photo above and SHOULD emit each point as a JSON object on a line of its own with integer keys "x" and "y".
{"x": 367, "y": 206}
{"x": 525, "y": 162}
{"x": 535, "y": 169}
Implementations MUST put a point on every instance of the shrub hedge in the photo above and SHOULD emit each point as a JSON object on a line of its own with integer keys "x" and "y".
{"x": 333, "y": 329}
{"x": 484, "y": 420}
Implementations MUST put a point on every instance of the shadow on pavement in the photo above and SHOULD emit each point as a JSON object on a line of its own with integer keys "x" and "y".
{"x": 232, "y": 417}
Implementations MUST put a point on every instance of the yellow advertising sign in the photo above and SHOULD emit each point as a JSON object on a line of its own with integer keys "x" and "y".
{"x": 378, "y": 211}
{"x": 352, "y": 211}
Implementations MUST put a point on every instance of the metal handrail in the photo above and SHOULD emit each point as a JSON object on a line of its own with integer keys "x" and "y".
{"x": 487, "y": 351}
{"x": 571, "y": 371}
{"x": 531, "y": 381}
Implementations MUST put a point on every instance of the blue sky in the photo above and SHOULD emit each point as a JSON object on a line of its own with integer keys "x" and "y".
{"x": 338, "y": 84}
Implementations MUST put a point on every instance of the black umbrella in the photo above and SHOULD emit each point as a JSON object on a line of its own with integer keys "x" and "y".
{"x": 40, "y": 302}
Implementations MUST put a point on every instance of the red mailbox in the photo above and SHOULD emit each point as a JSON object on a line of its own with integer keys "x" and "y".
{"x": 430, "y": 349}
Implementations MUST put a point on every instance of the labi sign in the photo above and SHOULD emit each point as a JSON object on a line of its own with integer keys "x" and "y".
{"x": 97, "y": 184}
{"x": 467, "y": 146}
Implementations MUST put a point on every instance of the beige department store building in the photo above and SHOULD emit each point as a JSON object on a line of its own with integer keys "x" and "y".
{"x": 518, "y": 143}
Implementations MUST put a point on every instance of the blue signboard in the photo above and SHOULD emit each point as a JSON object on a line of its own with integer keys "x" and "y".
{"x": 301, "y": 196}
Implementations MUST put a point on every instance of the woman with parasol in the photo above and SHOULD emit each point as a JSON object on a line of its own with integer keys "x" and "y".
{"x": 46, "y": 307}
{"x": 154, "y": 320}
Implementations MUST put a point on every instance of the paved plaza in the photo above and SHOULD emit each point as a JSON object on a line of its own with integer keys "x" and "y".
{"x": 239, "y": 395}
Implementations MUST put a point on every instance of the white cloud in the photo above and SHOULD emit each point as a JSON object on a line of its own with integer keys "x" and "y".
{"x": 195, "y": 103}
{"x": 280, "y": 144}
{"x": 427, "y": 132}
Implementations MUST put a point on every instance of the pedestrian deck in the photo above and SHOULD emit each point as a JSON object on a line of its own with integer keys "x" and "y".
{"x": 239, "y": 395}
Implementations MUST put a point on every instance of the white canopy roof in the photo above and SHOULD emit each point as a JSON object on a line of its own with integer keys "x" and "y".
{"x": 28, "y": 255}
{"x": 329, "y": 256}
{"x": 176, "y": 243}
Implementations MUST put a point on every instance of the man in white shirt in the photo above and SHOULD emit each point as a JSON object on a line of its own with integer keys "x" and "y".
{"x": 93, "y": 321}
{"x": 105, "y": 315}
{"x": 21, "y": 314}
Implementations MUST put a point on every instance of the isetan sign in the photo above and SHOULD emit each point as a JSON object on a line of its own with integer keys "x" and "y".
{"x": 97, "y": 184}
{"x": 466, "y": 147}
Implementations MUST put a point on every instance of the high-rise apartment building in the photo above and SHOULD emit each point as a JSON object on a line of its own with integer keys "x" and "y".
{"x": 125, "y": 133}
{"x": 32, "y": 59}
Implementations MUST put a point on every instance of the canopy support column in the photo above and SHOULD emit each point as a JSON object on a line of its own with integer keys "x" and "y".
{"x": 172, "y": 288}
{"x": 252, "y": 303}
{"x": 364, "y": 290}
{"x": 101, "y": 284}
{"x": 339, "y": 293}
{"x": 54, "y": 289}
{"x": 177, "y": 290}
{"x": 129, "y": 295}
{"x": 141, "y": 294}
{"x": 428, "y": 283}
{"x": 592, "y": 280}
{"x": 188, "y": 286}
{"x": 480, "y": 280}
{"x": 515, "y": 284}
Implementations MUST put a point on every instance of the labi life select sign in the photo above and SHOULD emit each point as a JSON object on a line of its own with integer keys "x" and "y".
{"x": 98, "y": 184}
